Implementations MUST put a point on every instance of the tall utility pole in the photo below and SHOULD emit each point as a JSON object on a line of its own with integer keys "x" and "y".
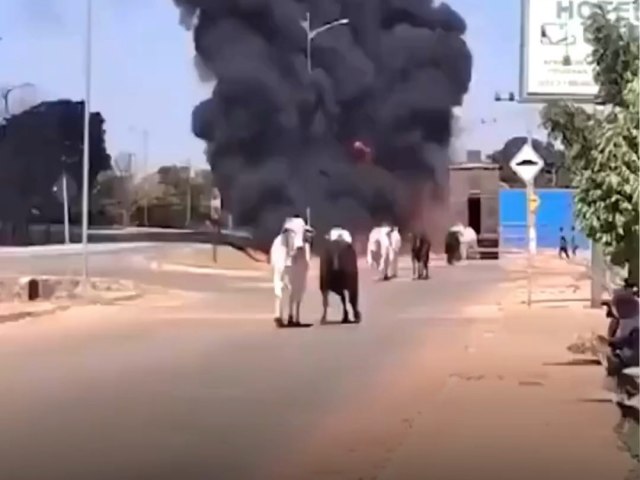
{"x": 188, "y": 213}
{"x": 145, "y": 165}
{"x": 85, "y": 150}
{"x": 311, "y": 34}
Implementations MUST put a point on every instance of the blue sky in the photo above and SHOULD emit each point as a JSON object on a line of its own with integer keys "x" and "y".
{"x": 143, "y": 74}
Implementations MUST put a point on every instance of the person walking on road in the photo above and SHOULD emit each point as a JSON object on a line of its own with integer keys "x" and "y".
{"x": 563, "y": 250}
{"x": 574, "y": 242}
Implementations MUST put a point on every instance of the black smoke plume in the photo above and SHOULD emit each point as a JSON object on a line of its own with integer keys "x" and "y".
{"x": 281, "y": 139}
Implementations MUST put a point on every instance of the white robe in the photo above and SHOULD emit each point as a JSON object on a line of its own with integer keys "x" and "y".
{"x": 468, "y": 239}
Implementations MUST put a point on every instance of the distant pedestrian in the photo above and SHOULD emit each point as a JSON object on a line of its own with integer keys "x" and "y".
{"x": 574, "y": 242}
{"x": 563, "y": 250}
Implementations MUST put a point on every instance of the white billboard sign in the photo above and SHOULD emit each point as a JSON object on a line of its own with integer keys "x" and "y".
{"x": 554, "y": 52}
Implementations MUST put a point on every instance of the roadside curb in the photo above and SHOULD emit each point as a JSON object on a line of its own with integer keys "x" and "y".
{"x": 176, "y": 267}
{"x": 29, "y": 314}
{"x": 26, "y": 314}
{"x": 71, "y": 249}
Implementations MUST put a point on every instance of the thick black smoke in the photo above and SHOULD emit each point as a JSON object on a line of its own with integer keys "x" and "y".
{"x": 282, "y": 139}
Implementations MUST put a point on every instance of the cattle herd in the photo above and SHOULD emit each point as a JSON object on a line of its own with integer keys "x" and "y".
{"x": 290, "y": 258}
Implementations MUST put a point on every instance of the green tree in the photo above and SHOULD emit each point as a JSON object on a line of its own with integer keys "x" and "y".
{"x": 602, "y": 144}
{"x": 113, "y": 198}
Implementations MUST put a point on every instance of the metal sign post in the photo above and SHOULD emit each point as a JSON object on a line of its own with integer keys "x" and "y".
{"x": 65, "y": 190}
{"x": 531, "y": 241}
{"x": 187, "y": 221}
{"x": 65, "y": 203}
{"x": 216, "y": 217}
{"x": 527, "y": 164}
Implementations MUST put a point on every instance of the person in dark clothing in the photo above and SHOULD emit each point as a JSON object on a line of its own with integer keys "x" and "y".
{"x": 563, "y": 250}
{"x": 622, "y": 334}
{"x": 452, "y": 247}
{"x": 574, "y": 242}
{"x": 624, "y": 353}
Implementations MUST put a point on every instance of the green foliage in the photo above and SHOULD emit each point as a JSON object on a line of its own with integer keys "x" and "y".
{"x": 614, "y": 54}
{"x": 173, "y": 196}
{"x": 602, "y": 145}
{"x": 113, "y": 198}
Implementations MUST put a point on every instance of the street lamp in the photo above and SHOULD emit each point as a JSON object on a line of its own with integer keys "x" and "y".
{"x": 7, "y": 91}
{"x": 311, "y": 34}
{"x": 85, "y": 150}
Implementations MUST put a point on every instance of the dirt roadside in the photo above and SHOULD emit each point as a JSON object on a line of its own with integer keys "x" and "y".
{"x": 516, "y": 407}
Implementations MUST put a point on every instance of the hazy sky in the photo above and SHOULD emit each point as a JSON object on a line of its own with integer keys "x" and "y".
{"x": 143, "y": 73}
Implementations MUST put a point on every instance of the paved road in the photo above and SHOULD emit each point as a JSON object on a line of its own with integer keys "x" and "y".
{"x": 212, "y": 391}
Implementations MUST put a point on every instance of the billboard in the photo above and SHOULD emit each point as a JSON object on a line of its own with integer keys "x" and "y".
{"x": 553, "y": 60}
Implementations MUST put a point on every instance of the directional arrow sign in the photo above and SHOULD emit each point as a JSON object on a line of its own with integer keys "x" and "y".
{"x": 527, "y": 163}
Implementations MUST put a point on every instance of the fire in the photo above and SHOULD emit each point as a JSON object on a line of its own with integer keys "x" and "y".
{"x": 362, "y": 153}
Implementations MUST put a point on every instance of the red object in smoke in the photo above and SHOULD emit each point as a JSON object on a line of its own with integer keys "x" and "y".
{"x": 362, "y": 152}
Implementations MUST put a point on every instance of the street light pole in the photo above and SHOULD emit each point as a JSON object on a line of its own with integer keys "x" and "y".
{"x": 145, "y": 163}
{"x": 308, "y": 31}
{"x": 189, "y": 199}
{"x": 311, "y": 34}
{"x": 85, "y": 151}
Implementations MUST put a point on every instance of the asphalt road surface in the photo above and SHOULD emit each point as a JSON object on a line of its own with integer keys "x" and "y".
{"x": 214, "y": 391}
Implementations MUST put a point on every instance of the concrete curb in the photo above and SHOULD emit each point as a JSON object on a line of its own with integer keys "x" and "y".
{"x": 27, "y": 314}
{"x": 72, "y": 249}
{"x": 176, "y": 267}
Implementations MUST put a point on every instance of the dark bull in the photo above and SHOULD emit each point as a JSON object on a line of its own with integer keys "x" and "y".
{"x": 339, "y": 274}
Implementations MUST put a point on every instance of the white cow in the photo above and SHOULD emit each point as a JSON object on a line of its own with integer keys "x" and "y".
{"x": 468, "y": 239}
{"x": 396, "y": 245}
{"x": 379, "y": 251}
{"x": 290, "y": 257}
{"x": 340, "y": 233}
